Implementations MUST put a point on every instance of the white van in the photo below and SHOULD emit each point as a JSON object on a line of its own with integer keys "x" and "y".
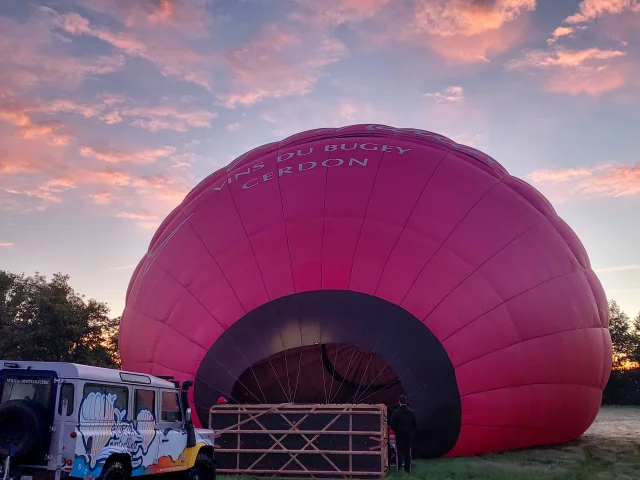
{"x": 64, "y": 419}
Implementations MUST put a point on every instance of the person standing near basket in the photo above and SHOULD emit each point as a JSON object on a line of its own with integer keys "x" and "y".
{"x": 404, "y": 423}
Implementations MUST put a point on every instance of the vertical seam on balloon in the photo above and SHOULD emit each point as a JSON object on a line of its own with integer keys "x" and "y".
{"x": 235, "y": 206}
{"x": 483, "y": 263}
{"x": 153, "y": 255}
{"x": 324, "y": 221}
{"x": 528, "y": 385}
{"x": 217, "y": 264}
{"x": 446, "y": 154}
{"x": 293, "y": 280}
{"x": 261, "y": 274}
{"x": 361, "y": 226}
{"x": 508, "y": 300}
{"x": 355, "y": 248}
{"x": 366, "y": 211}
{"x": 449, "y": 236}
{"x": 218, "y": 322}
{"x": 297, "y": 309}
{"x": 324, "y": 214}
{"x": 405, "y": 225}
{"x": 520, "y": 341}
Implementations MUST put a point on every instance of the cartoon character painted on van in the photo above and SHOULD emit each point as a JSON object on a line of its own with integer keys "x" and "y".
{"x": 104, "y": 430}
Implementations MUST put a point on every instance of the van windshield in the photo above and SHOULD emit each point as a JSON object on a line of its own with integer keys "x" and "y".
{"x": 27, "y": 388}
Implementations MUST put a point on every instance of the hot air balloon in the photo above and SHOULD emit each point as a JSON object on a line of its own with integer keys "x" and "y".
{"x": 356, "y": 264}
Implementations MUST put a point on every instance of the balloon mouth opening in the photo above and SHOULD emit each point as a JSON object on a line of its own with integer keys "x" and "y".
{"x": 313, "y": 347}
{"x": 320, "y": 373}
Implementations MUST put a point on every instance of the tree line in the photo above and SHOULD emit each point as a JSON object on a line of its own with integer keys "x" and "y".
{"x": 46, "y": 320}
{"x": 624, "y": 383}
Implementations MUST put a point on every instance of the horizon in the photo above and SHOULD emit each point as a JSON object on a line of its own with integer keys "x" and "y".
{"x": 111, "y": 111}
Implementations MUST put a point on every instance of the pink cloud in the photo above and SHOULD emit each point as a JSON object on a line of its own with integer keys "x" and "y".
{"x": 145, "y": 220}
{"x": 449, "y": 94}
{"x": 590, "y": 81}
{"x": 168, "y": 118}
{"x": 137, "y": 216}
{"x": 6, "y": 244}
{"x": 104, "y": 177}
{"x": 261, "y": 69}
{"x": 22, "y": 118}
{"x": 171, "y": 52}
{"x": 589, "y": 10}
{"x": 591, "y": 71}
{"x": 187, "y": 17}
{"x": 449, "y": 18}
{"x": 460, "y": 31}
{"x": 604, "y": 180}
{"x": 562, "y": 58}
{"x": 111, "y": 155}
{"x": 330, "y": 13}
{"x": 111, "y": 109}
{"x": 101, "y": 198}
{"x": 559, "y": 33}
{"x": 33, "y": 54}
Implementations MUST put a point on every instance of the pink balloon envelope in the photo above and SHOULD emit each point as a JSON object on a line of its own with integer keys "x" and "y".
{"x": 360, "y": 263}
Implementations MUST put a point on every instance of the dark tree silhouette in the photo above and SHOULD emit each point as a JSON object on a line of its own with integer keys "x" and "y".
{"x": 44, "y": 320}
{"x": 623, "y": 387}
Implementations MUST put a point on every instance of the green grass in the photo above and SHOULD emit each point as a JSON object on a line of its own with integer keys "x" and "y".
{"x": 575, "y": 460}
{"x": 609, "y": 450}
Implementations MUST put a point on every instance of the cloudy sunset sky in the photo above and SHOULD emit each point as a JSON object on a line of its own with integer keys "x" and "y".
{"x": 112, "y": 110}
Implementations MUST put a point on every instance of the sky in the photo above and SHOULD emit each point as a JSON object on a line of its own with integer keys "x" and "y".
{"x": 112, "y": 110}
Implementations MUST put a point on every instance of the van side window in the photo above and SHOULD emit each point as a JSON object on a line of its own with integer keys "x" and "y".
{"x": 67, "y": 392}
{"x": 145, "y": 400}
{"x": 104, "y": 403}
{"x": 170, "y": 411}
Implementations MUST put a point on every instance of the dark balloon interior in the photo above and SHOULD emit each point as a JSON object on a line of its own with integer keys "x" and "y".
{"x": 322, "y": 373}
{"x": 335, "y": 347}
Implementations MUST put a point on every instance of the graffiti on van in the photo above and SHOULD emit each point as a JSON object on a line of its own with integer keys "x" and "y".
{"x": 104, "y": 430}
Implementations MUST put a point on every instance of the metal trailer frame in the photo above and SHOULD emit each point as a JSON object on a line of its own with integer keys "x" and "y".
{"x": 365, "y": 449}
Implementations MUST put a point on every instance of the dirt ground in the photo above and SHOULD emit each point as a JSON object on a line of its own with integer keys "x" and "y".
{"x": 617, "y": 425}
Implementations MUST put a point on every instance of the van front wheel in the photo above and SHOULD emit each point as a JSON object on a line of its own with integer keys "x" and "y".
{"x": 115, "y": 470}
{"x": 204, "y": 468}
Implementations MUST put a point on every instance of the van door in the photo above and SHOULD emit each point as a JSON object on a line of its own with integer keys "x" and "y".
{"x": 144, "y": 411}
{"x": 173, "y": 437}
{"x": 65, "y": 424}
{"x": 104, "y": 425}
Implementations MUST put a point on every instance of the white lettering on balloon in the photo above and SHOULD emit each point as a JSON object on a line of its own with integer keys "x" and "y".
{"x": 304, "y": 166}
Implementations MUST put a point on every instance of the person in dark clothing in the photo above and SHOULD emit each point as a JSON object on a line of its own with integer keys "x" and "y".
{"x": 404, "y": 423}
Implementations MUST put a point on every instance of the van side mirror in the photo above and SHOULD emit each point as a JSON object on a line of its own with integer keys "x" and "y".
{"x": 191, "y": 431}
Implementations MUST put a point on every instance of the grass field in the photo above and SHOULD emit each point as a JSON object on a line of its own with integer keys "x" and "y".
{"x": 610, "y": 449}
